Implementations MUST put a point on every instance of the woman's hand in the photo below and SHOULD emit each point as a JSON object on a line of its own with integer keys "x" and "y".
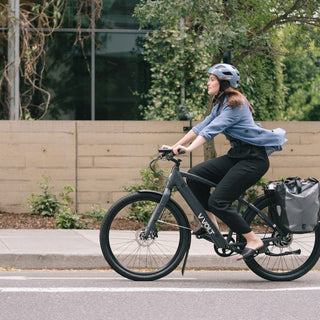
{"x": 179, "y": 147}
{"x": 166, "y": 147}
{"x": 175, "y": 148}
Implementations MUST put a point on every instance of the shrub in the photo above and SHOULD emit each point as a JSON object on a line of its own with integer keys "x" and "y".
{"x": 45, "y": 204}
{"x": 151, "y": 180}
{"x": 97, "y": 213}
{"x": 69, "y": 219}
{"x": 48, "y": 204}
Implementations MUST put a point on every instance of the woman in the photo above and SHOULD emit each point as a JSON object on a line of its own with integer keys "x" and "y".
{"x": 244, "y": 164}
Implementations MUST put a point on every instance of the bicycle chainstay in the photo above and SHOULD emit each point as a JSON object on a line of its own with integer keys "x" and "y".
{"x": 232, "y": 246}
{"x": 238, "y": 247}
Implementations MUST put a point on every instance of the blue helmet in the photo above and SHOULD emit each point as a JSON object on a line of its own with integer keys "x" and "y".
{"x": 228, "y": 72}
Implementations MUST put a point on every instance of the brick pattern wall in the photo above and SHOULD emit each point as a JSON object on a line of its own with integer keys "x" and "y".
{"x": 99, "y": 157}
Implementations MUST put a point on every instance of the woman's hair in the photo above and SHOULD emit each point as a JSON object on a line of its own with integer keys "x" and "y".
{"x": 234, "y": 97}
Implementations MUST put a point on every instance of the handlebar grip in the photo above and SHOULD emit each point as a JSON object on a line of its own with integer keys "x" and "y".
{"x": 167, "y": 151}
{"x": 164, "y": 150}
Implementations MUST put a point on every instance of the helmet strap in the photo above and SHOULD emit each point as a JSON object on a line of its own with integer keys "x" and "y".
{"x": 221, "y": 94}
{"x": 220, "y": 98}
{"x": 224, "y": 85}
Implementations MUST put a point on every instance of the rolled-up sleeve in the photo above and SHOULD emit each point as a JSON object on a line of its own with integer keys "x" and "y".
{"x": 212, "y": 126}
{"x": 200, "y": 126}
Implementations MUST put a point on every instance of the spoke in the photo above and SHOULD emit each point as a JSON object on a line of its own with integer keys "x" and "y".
{"x": 285, "y": 263}
{"x": 151, "y": 254}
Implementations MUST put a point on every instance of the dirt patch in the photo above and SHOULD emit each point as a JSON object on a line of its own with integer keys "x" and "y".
{"x": 27, "y": 221}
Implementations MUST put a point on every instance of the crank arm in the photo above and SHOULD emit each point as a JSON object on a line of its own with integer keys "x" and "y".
{"x": 205, "y": 237}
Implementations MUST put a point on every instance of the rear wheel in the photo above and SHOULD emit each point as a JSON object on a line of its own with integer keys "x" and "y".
{"x": 288, "y": 258}
{"x": 124, "y": 246}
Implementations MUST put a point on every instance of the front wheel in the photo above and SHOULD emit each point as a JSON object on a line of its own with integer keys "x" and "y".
{"x": 288, "y": 258}
{"x": 124, "y": 246}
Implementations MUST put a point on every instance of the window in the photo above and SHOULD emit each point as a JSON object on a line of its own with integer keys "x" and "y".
{"x": 118, "y": 70}
{"x": 100, "y": 78}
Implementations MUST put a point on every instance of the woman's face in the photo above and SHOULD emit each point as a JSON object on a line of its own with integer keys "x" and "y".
{"x": 213, "y": 85}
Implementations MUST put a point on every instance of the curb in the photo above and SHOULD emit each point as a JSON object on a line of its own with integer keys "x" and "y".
{"x": 91, "y": 262}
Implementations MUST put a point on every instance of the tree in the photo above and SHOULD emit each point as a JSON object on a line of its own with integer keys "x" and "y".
{"x": 191, "y": 35}
{"x": 301, "y": 73}
{"x": 37, "y": 21}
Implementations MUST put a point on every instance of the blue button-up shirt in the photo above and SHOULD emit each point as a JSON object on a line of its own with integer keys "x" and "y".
{"x": 238, "y": 123}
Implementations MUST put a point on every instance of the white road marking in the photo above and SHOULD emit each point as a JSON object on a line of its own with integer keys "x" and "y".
{"x": 146, "y": 290}
{"x": 24, "y": 278}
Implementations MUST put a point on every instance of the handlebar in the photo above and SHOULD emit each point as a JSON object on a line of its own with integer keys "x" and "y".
{"x": 170, "y": 152}
{"x": 168, "y": 155}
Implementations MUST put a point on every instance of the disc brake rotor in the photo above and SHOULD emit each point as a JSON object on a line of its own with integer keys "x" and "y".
{"x": 283, "y": 241}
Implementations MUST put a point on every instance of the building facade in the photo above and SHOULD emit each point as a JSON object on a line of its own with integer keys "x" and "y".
{"x": 97, "y": 74}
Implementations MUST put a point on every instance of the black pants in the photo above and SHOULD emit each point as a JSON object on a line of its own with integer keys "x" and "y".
{"x": 235, "y": 172}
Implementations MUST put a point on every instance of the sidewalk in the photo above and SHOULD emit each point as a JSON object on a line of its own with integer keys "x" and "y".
{"x": 80, "y": 249}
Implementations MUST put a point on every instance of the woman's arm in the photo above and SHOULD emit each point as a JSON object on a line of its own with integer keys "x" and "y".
{"x": 189, "y": 137}
{"x": 197, "y": 142}
{"x": 193, "y": 135}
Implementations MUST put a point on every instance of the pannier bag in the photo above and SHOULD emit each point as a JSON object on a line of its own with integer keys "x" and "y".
{"x": 298, "y": 204}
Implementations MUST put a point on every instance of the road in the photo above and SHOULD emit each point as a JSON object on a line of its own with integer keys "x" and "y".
{"x": 104, "y": 295}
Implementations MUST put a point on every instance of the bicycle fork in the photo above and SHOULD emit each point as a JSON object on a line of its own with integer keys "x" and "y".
{"x": 157, "y": 212}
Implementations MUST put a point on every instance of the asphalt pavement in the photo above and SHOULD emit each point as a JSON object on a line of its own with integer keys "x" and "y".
{"x": 100, "y": 294}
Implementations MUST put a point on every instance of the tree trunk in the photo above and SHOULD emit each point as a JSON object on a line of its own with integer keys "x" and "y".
{"x": 4, "y": 101}
{"x": 209, "y": 150}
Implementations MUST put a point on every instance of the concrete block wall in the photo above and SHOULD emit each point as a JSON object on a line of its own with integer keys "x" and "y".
{"x": 29, "y": 150}
{"x": 99, "y": 157}
{"x": 110, "y": 155}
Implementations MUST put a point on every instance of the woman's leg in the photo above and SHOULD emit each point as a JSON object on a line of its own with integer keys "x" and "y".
{"x": 240, "y": 177}
{"x": 213, "y": 218}
{"x": 213, "y": 170}
{"x": 253, "y": 243}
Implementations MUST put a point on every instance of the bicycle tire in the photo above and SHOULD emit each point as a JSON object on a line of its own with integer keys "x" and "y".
{"x": 287, "y": 266}
{"x": 138, "y": 259}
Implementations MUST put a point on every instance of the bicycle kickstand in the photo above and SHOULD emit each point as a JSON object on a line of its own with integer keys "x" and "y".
{"x": 185, "y": 262}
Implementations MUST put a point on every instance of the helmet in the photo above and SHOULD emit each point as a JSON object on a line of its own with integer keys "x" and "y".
{"x": 224, "y": 71}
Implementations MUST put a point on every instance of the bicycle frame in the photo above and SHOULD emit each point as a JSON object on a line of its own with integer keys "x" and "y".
{"x": 176, "y": 180}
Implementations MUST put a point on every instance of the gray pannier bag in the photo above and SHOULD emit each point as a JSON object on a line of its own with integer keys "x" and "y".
{"x": 298, "y": 204}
